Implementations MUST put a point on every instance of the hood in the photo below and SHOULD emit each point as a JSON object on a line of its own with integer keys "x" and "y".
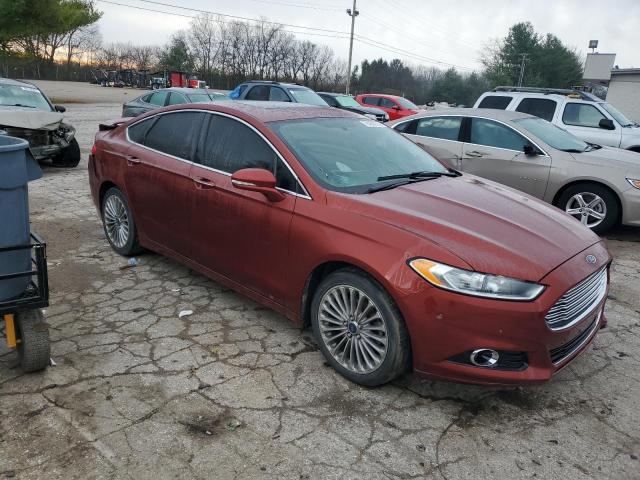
{"x": 493, "y": 228}
{"x": 30, "y": 118}
{"x": 633, "y": 131}
{"x": 611, "y": 157}
{"x": 360, "y": 109}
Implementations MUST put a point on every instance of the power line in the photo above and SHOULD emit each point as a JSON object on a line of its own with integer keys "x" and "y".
{"x": 335, "y": 33}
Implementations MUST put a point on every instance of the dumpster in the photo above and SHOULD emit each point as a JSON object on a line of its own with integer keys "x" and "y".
{"x": 17, "y": 168}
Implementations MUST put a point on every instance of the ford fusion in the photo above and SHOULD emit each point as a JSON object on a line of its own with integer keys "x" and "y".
{"x": 338, "y": 222}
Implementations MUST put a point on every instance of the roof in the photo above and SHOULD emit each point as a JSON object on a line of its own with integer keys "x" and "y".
{"x": 273, "y": 82}
{"x": 273, "y": 111}
{"x": 502, "y": 115}
{"x": 380, "y": 95}
{"x": 625, "y": 71}
{"x": 331, "y": 94}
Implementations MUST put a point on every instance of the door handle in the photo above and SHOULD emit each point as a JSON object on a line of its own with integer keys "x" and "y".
{"x": 203, "y": 183}
{"x": 474, "y": 153}
{"x": 131, "y": 160}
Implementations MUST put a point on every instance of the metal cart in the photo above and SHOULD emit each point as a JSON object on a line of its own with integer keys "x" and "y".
{"x": 25, "y": 327}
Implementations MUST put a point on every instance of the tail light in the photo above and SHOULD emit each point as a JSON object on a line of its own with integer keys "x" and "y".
{"x": 93, "y": 149}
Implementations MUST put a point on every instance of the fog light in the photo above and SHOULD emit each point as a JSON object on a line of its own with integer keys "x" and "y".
{"x": 484, "y": 357}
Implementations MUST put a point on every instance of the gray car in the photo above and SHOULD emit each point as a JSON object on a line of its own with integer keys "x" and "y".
{"x": 169, "y": 96}
{"x": 599, "y": 186}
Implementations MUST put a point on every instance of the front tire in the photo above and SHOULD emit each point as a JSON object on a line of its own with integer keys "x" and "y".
{"x": 69, "y": 157}
{"x": 595, "y": 206}
{"x": 118, "y": 223}
{"x": 360, "y": 330}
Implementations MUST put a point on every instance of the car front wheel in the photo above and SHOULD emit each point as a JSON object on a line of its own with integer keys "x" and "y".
{"x": 359, "y": 328}
{"x": 595, "y": 206}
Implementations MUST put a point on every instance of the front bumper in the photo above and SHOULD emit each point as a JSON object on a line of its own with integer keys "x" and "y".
{"x": 631, "y": 206}
{"x": 444, "y": 326}
{"x": 44, "y": 144}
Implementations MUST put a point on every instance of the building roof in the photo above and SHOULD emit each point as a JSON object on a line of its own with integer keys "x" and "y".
{"x": 625, "y": 71}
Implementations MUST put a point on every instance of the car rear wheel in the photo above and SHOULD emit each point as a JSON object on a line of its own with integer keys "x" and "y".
{"x": 595, "y": 206}
{"x": 360, "y": 330}
{"x": 119, "y": 225}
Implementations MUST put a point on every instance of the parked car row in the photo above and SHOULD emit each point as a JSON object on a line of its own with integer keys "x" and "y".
{"x": 396, "y": 259}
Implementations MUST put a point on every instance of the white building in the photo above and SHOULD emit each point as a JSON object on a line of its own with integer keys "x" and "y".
{"x": 624, "y": 91}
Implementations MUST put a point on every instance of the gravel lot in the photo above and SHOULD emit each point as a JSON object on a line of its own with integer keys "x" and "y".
{"x": 234, "y": 391}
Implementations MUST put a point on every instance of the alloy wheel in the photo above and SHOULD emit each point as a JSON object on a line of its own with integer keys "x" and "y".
{"x": 587, "y": 207}
{"x": 353, "y": 329}
{"x": 116, "y": 221}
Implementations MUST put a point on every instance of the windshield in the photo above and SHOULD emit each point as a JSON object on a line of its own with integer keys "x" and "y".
{"x": 346, "y": 101}
{"x": 304, "y": 95}
{"x": 619, "y": 116}
{"x": 350, "y": 154}
{"x": 23, "y": 96}
{"x": 551, "y": 135}
{"x": 406, "y": 103}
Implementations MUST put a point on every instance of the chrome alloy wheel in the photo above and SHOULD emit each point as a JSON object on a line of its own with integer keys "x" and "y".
{"x": 116, "y": 221}
{"x": 587, "y": 207}
{"x": 352, "y": 328}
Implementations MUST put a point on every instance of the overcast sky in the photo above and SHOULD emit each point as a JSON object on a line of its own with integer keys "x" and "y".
{"x": 453, "y": 32}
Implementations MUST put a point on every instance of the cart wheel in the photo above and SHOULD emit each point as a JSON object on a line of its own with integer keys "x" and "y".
{"x": 34, "y": 350}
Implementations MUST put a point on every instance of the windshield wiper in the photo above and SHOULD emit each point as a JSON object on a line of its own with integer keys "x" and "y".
{"x": 573, "y": 150}
{"x": 392, "y": 185}
{"x": 21, "y": 105}
{"x": 423, "y": 174}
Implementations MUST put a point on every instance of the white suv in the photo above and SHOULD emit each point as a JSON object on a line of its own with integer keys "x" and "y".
{"x": 580, "y": 113}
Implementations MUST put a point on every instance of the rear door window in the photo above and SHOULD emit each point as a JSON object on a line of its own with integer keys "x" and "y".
{"x": 493, "y": 134}
{"x": 177, "y": 99}
{"x": 138, "y": 132}
{"x": 582, "y": 115}
{"x": 447, "y": 128}
{"x": 175, "y": 134}
{"x": 407, "y": 127}
{"x": 371, "y": 100}
{"x": 258, "y": 92}
{"x": 539, "y": 107}
{"x": 498, "y": 102}
{"x": 158, "y": 98}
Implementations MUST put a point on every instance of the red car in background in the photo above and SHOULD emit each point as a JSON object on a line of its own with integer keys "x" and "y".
{"x": 396, "y": 107}
{"x": 341, "y": 223}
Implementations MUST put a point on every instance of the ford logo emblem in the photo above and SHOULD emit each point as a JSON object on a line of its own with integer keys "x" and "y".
{"x": 591, "y": 258}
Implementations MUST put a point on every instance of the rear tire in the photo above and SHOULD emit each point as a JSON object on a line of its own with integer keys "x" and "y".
{"x": 69, "y": 157}
{"x": 34, "y": 350}
{"x": 118, "y": 223}
{"x": 360, "y": 330}
{"x": 594, "y": 205}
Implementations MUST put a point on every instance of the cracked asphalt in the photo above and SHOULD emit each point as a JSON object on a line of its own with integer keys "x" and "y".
{"x": 234, "y": 391}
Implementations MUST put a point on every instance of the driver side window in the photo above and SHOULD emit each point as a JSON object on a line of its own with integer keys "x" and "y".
{"x": 228, "y": 145}
{"x": 493, "y": 134}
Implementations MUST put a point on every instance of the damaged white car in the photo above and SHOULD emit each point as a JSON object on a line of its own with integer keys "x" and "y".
{"x": 25, "y": 112}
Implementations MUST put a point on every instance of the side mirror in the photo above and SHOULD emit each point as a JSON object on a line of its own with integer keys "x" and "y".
{"x": 59, "y": 108}
{"x": 257, "y": 180}
{"x": 396, "y": 107}
{"x": 530, "y": 150}
{"x": 607, "y": 124}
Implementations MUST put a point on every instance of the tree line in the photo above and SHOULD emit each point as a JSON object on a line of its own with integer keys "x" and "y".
{"x": 59, "y": 39}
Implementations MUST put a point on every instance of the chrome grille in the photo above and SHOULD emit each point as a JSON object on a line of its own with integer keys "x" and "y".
{"x": 578, "y": 302}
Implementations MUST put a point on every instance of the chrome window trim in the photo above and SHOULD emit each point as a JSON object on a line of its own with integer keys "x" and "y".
{"x": 544, "y": 153}
{"x": 306, "y": 195}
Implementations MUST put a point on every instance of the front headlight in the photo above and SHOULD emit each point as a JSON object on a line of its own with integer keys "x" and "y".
{"x": 370, "y": 115}
{"x": 635, "y": 182}
{"x": 475, "y": 283}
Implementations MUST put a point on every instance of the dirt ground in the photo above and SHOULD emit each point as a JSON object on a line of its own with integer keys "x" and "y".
{"x": 235, "y": 392}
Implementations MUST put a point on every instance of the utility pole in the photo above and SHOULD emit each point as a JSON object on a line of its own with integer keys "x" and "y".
{"x": 524, "y": 59}
{"x": 353, "y": 13}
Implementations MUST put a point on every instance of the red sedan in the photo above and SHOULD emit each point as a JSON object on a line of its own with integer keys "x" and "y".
{"x": 341, "y": 223}
{"x": 396, "y": 107}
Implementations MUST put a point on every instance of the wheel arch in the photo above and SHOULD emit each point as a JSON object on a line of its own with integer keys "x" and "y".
{"x": 564, "y": 188}
{"x": 104, "y": 187}
{"x": 321, "y": 271}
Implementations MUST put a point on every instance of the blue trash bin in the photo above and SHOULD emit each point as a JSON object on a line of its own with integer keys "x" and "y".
{"x": 17, "y": 168}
